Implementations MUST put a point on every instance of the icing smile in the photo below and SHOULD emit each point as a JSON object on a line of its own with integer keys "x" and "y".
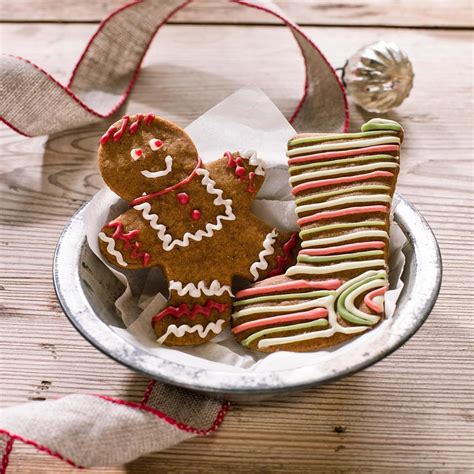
{"x": 159, "y": 174}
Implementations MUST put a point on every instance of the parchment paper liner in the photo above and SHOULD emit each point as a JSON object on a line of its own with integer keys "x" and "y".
{"x": 247, "y": 120}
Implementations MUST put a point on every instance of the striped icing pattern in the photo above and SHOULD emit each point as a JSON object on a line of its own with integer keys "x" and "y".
{"x": 343, "y": 154}
{"x": 336, "y": 136}
{"x": 344, "y": 145}
{"x": 349, "y": 236}
{"x": 341, "y": 180}
{"x": 337, "y": 192}
{"x": 314, "y": 175}
{"x": 351, "y": 161}
{"x": 363, "y": 198}
{"x": 342, "y": 185}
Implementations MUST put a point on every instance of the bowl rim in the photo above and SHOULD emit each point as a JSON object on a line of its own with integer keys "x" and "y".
{"x": 427, "y": 283}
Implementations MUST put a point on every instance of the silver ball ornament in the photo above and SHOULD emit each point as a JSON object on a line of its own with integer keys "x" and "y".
{"x": 378, "y": 77}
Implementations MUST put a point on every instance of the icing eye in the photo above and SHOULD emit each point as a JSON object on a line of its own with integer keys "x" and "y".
{"x": 136, "y": 153}
{"x": 155, "y": 144}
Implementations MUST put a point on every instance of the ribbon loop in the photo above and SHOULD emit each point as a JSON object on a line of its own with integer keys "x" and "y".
{"x": 107, "y": 70}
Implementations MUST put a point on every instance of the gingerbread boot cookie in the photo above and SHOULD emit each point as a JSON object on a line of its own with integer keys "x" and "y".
{"x": 192, "y": 220}
{"x": 343, "y": 185}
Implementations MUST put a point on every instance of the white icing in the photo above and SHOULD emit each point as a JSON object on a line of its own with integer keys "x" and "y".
{"x": 136, "y": 153}
{"x": 344, "y": 200}
{"x": 344, "y": 145}
{"x": 278, "y": 308}
{"x": 344, "y": 237}
{"x": 339, "y": 171}
{"x": 214, "y": 289}
{"x": 111, "y": 249}
{"x": 268, "y": 250}
{"x": 379, "y": 300}
{"x": 167, "y": 239}
{"x": 251, "y": 155}
{"x": 334, "y": 268}
{"x": 180, "y": 331}
{"x": 327, "y": 302}
{"x": 159, "y": 174}
{"x": 153, "y": 144}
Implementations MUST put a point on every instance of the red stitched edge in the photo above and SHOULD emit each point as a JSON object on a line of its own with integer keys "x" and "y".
{"x": 295, "y": 27}
{"x": 6, "y": 455}
{"x": 17, "y": 130}
{"x": 148, "y": 391}
{"x": 40, "y": 447}
{"x": 65, "y": 89}
{"x": 127, "y": 91}
{"x": 138, "y": 68}
{"x": 163, "y": 416}
{"x": 91, "y": 39}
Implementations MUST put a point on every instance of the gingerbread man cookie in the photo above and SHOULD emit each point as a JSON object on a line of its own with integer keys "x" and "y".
{"x": 343, "y": 185}
{"x": 192, "y": 220}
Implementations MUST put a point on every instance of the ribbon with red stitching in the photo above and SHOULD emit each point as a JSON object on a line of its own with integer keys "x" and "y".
{"x": 106, "y": 72}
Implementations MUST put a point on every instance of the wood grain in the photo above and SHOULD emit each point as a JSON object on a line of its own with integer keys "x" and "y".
{"x": 412, "y": 412}
{"x": 395, "y": 13}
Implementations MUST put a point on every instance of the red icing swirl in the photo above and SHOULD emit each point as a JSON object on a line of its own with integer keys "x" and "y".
{"x": 191, "y": 312}
{"x": 129, "y": 243}
{"x": 116, "y": 135}
{"x": 241, "y": 172}
{"x": 282, "y": 261}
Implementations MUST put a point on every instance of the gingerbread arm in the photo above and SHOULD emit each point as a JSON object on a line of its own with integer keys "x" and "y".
{"x": 122, "y": 241}
{"x": 240, "y": 175}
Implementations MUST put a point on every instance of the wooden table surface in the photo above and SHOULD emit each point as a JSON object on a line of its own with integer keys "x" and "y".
{"x": 412, "y": 412}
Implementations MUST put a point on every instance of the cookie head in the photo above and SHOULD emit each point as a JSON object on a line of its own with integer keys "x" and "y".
{"x": 142, "y": 154}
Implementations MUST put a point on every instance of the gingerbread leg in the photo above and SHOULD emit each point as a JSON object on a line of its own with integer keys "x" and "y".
{"x": 199, "y": 311}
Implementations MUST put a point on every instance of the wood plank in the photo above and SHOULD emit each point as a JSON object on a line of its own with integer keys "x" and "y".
{"x": 429, "y": 13}
{"x": 410, "y": 412}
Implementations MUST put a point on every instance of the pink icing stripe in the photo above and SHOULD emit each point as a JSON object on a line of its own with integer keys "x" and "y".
{"x": 348, "y": 211}
{"x": 343, "y": 153}
{"x": 304, "y": 316}
{"x": 344, "y": 248}
{"x": 291, "y": 285}
{"x": 368, "y": 299}
{"x": 343, "y": 179}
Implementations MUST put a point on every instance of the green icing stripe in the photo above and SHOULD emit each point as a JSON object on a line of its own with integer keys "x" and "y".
{"x": 378, "y": 124}
{"x": 292, "y": 327}
{"x": 330, "y": 258}
{"x": 337, "y": 192}
{"x": 345, "y": 225}
{"x": 337, "y": 136}
{"x": 345, "y": 201}
{"x": 343, "y": 145}
{"x": 285, "y": 296}
{"x": 341, "y": 301}
{"x": 320, "y": 164}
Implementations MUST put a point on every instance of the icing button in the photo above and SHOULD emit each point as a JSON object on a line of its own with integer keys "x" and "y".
{"x": 182, "y": 198}
{"x": 240, "y": 171}
{"x": 195, "y": 214}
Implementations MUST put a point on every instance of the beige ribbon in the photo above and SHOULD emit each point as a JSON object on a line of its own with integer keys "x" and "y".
{"x": 34, "y": 103}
